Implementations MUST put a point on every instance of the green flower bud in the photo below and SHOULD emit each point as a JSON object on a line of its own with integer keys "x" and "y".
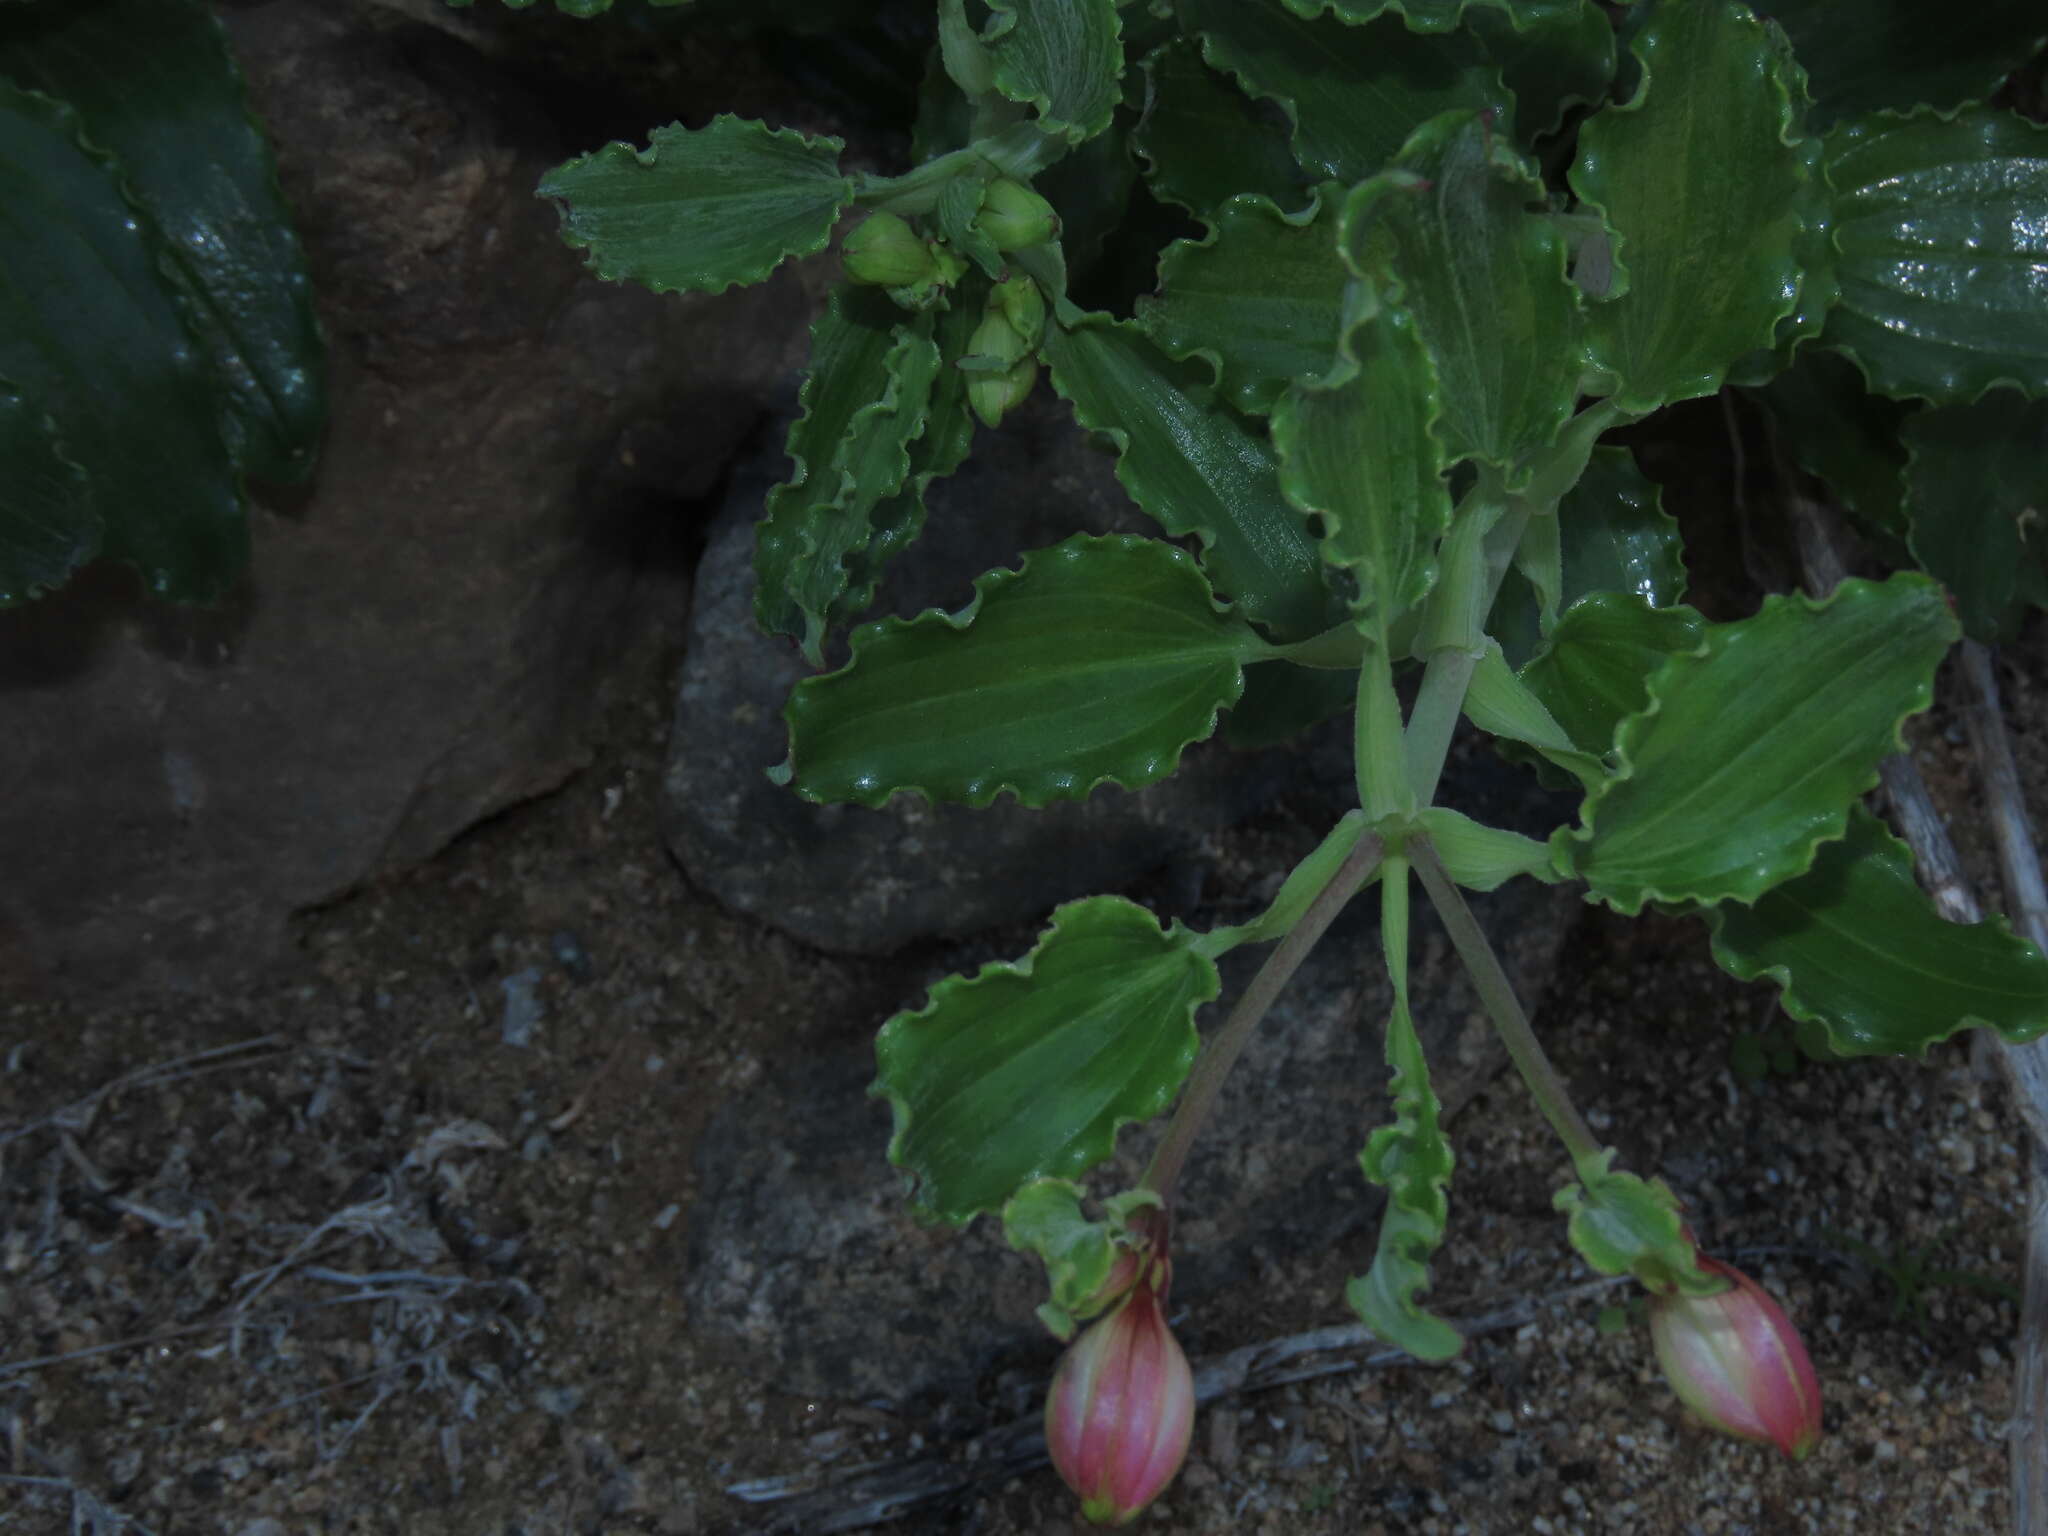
{"x": 1023, "y": 306}
{"x": 1013, "y": 216}
{"x": 947, "y": 269}
{"x": 885, "y": 252}
{"x": 993, "y": 394}
{"x": 996, "y": 338}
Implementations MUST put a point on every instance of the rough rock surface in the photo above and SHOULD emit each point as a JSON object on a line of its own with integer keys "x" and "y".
{"x": 861, "y": 881}
{"x": 428, "y": 626}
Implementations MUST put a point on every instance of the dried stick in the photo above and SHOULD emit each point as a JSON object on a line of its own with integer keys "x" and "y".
{"x": 2027, "y": 1066}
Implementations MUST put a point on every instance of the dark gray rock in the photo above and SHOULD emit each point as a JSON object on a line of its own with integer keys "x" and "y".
{"x": 861, "y": 881}
{"x": 430, "y": 628}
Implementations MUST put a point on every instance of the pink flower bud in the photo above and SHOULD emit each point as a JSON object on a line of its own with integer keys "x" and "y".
{"x": 1122, "y": 1407}
{"x": 1736, "y": 1360}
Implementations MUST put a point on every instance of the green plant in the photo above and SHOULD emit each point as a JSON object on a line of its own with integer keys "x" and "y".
{"x": 1450, "y": 245}
{"x": 157, "y": 337}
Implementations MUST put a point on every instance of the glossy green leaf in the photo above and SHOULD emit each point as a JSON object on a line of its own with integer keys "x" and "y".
{"x": 1098, "y": 661}
{"x": 1195, "y": 467}
{"x": 865, "y": 399}
{"x": 92, "y": 338}
{"x": 1483, "y": 858}
{"x": 1625, "y": 1225}
{"x": 1353, "y": 93}
{"x": 1602, "y": 654}
{"x": 1977, "y": 494}
{"x": 701, "y": 209}
{"x": 1028, "y": 1069}
{"x": 1204, "y": 141}
{"x": 1855, "y": 945}
{"x": 1610, "y": 534}
{"x": 1412, "y": 1161}
{"x": 1942, "y": 228}
{"x": 1616, "y": 535}
{"x": 48, "y": 528}
{"x": 156, "y": 87}
{"x": 1447, "y": 233}
{"x": 1836, "y": 429}
{"x": 1705, "y": 197}
{"x": 1551, "y": 56}
{"x": 1260, "y": 299}
{"x": 1062, "y": 58}
{"x": 1752, "y": 749}
{"x": 1897, "y": 53}
{"x": 1364, "y": 457}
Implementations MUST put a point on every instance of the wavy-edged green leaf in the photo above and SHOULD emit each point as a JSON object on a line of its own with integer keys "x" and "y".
{"x": 866, "y": 398}
{"x": 1412, "y": 1162}
{"x": 1977, "y": 494}
{"x": 1838, "y": 430}
{"x": 1028, "y": 1069}
{"x": 1096, "y": 662}
{"x": 1752, "y": 749}
{"x": 1610, "y": 534}
{"x": 949, "y": 423}
{"x": 1616, "y": 535}
{"x": 1625, "y": 1225}
{"x": 1552, "y": 56}
{"x": 1897, "y": 53}
{"x": 1195, "y": 467}
{"x": 48, "y": 527}
{"x": 1703, "y": 180}
{"x": 1483, "y": 858}
{"x": 1260, "y": 299}
{"x": 701, "y": 209}
{"x": 1061, "y": 58}
{"x": 1597, "y": 668}
{"x": 1501, "y": 704}
{"x": 1045, "y": 1218}
{"x": 1447, "y": 230}
{"x": 1204, "y": 141}
{"x": 156, "y": 87}
{"x": 93, "y": 338}
{"x": 1431, "y": 15}
{"x": 1855, "y": 945}
{"x": 1942, "y": 229}
{"x": 1364, "y": 457}
{"x": 1353, "y": 93}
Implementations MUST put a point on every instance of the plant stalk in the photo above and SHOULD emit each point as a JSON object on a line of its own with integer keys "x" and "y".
{"x": 1497, "y": 996}
{"x": 1213, "y": 1066}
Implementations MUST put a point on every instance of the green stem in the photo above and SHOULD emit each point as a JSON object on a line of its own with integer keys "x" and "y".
{"x": 1497, "y": 996}
{"x": 1212, "y": 1068}
{"x": 1020, "y": 152}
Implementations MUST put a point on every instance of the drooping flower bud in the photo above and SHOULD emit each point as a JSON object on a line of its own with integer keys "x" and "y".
{"x": 1006, "y": 370}
{"x": 1022, "y": 305}
{"x": 885, "y": 252}
{"x": 1013, "y": 216}
{"x": 1735, "y": 1359}
{"x": 1122, "y": 1406}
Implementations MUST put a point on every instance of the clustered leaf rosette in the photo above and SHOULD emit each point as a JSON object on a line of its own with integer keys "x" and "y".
{"x": 1735, "y": 1359}
{"x": 1122, "y": 1406}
